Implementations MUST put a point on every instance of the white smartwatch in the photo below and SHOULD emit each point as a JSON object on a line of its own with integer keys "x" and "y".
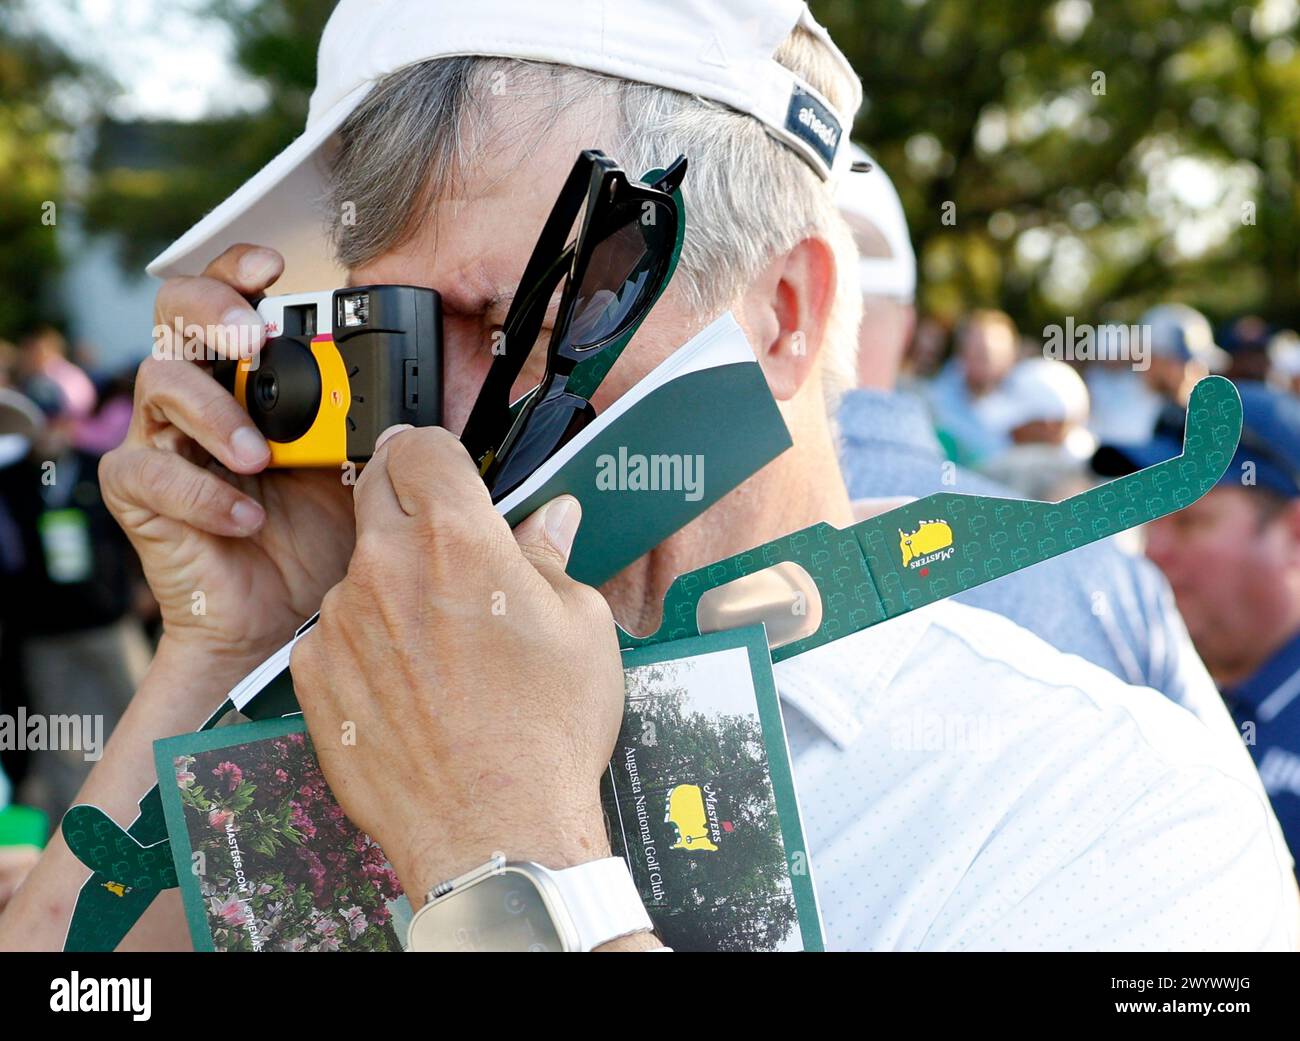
{"x": 521, "y": 906}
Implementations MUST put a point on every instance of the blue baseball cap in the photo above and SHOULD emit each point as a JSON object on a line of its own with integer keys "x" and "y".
{"x": 1270, "y": 441}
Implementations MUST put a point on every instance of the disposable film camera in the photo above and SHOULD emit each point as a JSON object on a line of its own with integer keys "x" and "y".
{"x": 338, "y": 368}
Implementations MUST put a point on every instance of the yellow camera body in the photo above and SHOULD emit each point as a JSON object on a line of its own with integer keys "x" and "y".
{"x": 325, "y": 442}
{"x": 322, "y": 396}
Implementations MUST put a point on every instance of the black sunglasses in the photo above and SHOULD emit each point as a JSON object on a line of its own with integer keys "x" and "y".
{"x": 613, "y": 270}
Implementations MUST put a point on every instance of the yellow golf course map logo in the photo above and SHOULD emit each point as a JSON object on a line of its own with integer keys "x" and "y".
{"x": 696, "y": 824}
{"x": 930, "y": 542}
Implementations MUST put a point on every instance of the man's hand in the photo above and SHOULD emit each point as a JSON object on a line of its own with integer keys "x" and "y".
{"x": 463, "y": 693}
{"x": 236, "y": 557}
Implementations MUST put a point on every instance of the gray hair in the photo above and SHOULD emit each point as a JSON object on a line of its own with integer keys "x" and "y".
{"x": 749, "y": 198}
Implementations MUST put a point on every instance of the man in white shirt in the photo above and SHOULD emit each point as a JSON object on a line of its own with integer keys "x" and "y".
{"x": 1089, "y": 814}
{"x": 965, "y": 786}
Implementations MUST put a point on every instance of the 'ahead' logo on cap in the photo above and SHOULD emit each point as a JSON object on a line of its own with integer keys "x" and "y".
{"x": 811, "y": 121}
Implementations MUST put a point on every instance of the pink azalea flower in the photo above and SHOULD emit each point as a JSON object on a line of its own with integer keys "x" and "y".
{"x": 356, "y": 919}
{"x": 219, "y": 818}
{"x": 232, "y": 911}
{"x": 229, "y": 774}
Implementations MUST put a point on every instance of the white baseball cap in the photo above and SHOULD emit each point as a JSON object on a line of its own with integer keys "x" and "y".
{"x": 1184, "y": 334}
{"x": 1037, "y": 389}
{"x": 721, "y": 50}
{"x": 871, "y": 195}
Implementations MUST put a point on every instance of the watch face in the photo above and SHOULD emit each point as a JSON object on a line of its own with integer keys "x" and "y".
{"x": 504, "y": 912}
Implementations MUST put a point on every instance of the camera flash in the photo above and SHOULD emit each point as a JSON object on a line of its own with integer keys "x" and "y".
{"x": 354, "y": 310}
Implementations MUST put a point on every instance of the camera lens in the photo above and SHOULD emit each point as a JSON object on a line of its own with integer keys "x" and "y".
{"x": 284, "y": 395}
{"x": 266, "y": 389}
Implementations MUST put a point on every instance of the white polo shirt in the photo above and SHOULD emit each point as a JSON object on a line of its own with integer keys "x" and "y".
{"x": 965, "y": 786}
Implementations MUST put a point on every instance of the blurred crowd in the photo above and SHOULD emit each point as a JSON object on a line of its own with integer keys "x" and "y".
{"x": 76, "y": 617}
{"x": 982, "y": 406}
{"x": 1002, "y": 405}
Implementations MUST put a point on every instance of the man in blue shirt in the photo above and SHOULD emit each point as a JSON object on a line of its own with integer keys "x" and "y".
{"x": 1233, "y": 560}
{"x": 1099, "y": 602}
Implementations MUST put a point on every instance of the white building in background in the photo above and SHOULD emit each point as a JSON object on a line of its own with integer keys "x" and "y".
{"x": 109, "y": 309}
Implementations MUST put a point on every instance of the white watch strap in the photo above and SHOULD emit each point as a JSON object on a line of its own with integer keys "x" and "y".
{"x": 602, "y": 900}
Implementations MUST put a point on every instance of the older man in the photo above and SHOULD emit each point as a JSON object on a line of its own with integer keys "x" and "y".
{"x": 1091, "y": 814}
{"x": 1233, "y": 559}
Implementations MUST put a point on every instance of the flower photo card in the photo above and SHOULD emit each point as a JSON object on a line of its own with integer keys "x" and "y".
{"x": 266, "y": 858}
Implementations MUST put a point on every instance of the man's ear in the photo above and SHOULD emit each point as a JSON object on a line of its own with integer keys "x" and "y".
{"x": 786, "y": 312}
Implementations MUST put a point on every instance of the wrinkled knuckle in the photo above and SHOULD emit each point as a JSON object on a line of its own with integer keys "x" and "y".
{"x": 591, "y": 608}
{"x": 218, "y": 412}
{"x": 304, "y": 657}
{"x": 195, "y": 494}
{"x": 371, "y": 556}
{"x": 147, "y": 378}
{"x": 155, "y": 475}
{"x": 542, "y": 555}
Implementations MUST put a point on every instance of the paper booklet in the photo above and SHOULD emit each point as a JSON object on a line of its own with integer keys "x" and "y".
{"x": 698, "y": 799}
{"x": 642, "y": 470}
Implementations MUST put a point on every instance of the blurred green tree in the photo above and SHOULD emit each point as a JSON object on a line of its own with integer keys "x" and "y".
{"x": 1054, "y": 156}
{"x": 152, "y": 180}
{"x": 33, "y": 136}
{"x": 1087, "y": 158}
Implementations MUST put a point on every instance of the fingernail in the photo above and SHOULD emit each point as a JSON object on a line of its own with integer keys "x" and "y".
{"x": 248, "y": 446}
{"x": 561, "y": 522}
{"x": 392, "y": 431}
{"x": 257, "y": 266}
{"x": 247, "y": 515}
{"x": 249, "y": 329}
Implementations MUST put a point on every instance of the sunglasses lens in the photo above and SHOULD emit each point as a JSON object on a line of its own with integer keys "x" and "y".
{"x": 554, "y": 422}
{"x": 621, "y": 275}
